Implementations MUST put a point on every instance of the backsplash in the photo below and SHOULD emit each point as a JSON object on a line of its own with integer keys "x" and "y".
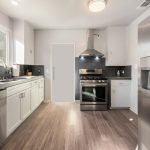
{"x": 111, "y": 71}
{"x": 36, "y": 70}
{"x": 92, "y": 63}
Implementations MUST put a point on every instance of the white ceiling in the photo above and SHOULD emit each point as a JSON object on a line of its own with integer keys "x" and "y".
{"x": 45, "y": 14}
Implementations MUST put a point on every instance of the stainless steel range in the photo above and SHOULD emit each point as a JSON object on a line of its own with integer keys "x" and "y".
{"x": 93, "y": 90}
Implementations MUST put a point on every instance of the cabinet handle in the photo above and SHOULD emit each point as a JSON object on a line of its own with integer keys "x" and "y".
{"x": 121, "y": 83}
{"x": 24, "y": 94}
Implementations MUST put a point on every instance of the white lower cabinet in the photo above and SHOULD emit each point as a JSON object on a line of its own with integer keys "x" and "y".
{"x": 37, "y": 93}
{"x": 41, "y": 90}
{"x": 23, "y": 99}
{"x": 34, "y": 95}
{"x": 25, "y": 103}
{"x": 13, "y": 113}
{"x": 120, "y": 93}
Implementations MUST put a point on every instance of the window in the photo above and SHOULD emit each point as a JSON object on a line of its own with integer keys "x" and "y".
{"x": 4, "y": 47}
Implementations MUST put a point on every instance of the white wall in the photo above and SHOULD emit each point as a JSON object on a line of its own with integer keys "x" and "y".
{"x": 43, "y": 41}
{"x": 100, "y": 43}
{"x": 6, "y": 24}
{"x": 133, "y": 57}
{"x": 144, "y": 41}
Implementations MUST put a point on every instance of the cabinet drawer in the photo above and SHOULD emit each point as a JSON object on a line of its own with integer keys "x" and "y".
{"x": 17, "y": 88}
{"x": 120, "y": 82}
{"x": 34, "y": 83}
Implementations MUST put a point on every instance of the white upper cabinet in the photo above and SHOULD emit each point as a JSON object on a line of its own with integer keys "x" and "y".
{"x": 116, "y": 46}
{"x": 23, "y": 35}
{"x": 29, "y": 44}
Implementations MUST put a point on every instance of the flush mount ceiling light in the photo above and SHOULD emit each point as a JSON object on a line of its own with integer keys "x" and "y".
{"x": 15, "y": 2}
{"x": 97, "y": 5}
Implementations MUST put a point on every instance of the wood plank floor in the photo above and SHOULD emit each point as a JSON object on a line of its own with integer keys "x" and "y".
{"x": 65, "y": 127}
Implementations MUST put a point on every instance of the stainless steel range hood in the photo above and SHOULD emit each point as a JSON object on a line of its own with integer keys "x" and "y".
{"x": 90, "y": 51}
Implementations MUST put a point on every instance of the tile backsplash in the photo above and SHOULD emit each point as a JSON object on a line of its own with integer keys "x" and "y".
{"x": 36, "y": 70}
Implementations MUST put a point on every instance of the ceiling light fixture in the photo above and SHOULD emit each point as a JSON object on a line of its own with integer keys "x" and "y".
{"x": 15, "y": 2}
{"x": 97, "y": 5}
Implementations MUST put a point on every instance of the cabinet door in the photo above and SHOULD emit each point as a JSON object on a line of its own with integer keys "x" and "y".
{"x": 26, "y": 103}
{"x": 120, "y": 94}
{"x": 13, "y": 112}
{"x": 116, "y": 44}
{"x": 41, "y": 90}
{"x": 34, "y": 96}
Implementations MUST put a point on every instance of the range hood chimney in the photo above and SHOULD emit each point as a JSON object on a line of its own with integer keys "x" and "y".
{"x": 90, "y": 51}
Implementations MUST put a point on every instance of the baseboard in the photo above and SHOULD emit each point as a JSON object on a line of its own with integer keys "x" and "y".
{"x": 47, "y": 101}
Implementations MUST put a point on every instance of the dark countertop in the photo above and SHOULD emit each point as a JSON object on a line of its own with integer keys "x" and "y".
{"x": 119, "y": 78}
{"x": 5, "y": 85}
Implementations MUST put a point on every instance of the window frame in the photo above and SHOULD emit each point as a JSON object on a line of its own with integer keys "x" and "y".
{"x": 6, "y": 32}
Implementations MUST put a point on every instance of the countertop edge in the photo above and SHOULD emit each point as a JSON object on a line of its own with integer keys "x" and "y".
{"x": 10, "y": 84}
{"x": 119, "y": 78}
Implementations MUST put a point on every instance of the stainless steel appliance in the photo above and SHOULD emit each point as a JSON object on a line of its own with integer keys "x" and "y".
{"x": 2, "y": 116}
{"x": 90, "y": 51}
{"x": 144, "y": 105}
{"x": 93, "y": 90}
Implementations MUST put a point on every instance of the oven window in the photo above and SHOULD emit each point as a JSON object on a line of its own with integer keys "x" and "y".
{"x": 93, "y": 94}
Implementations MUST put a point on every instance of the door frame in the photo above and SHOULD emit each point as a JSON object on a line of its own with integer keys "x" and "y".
{"x": 51, "y": 68}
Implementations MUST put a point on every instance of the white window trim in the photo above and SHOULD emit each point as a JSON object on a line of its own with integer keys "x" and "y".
{"x": 5, "y": 31}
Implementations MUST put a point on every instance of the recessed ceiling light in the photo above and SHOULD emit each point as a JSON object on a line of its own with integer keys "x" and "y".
{"x": 15, "y": 2}
{"x": 97, "y": 58}
{"x": 82, "y": 57}
{"x": 131, "y": 119}
{"x": 97, "y": 5}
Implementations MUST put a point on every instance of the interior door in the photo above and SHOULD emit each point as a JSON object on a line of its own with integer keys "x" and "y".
{"x": 63, "y": 73}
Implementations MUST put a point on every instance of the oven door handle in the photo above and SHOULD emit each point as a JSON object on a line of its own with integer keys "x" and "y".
{"x": 95, "y": 85}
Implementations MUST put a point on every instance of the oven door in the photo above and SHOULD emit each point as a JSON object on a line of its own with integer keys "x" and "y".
{"x": 94, "y": 93}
